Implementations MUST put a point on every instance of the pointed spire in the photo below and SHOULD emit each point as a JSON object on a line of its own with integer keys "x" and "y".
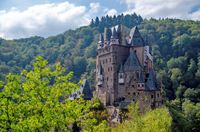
{"x": 114, "y": 33}
{"x": 107, "y": 34}
{"x": 136, "y": 38}
{"x": 101, "y": 38}
{"x": 118, "y": 28}
{"x": 101, "y": 41}
{"x": 86, "y": 91}
{"x": 135, "y": 31}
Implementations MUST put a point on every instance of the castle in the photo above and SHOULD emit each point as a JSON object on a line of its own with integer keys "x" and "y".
{"x": 124, "y": 69}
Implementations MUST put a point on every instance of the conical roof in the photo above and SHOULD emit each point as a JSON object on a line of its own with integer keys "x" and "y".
{"x": 86, "y": 91}
{"x": 132, "y": 63}
{"x": 136, "y": 38}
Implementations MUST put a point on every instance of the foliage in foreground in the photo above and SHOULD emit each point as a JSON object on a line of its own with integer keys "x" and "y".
{"x": 186, "y": 115}
{"x": 37, "y": 100}
{"x": 158, "y": 120}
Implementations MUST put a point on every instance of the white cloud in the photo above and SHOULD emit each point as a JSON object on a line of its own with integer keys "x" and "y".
{"x": 45, "y": 19}
{"x": 196, "y": 15}
{"x": 94, "y": 7}
{"x": 162, "y": 8}
{"x": 111, "y": 12}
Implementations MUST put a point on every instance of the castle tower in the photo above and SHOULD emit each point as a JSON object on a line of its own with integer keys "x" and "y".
{"x": 125, "y": 69}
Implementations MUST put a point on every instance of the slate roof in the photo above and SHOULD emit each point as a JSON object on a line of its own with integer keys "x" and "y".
{"x": 107, "y": 34}
{"x": 84, "y": 90}
{"x": 135, "y": 37}
{"x": 132, "y": 63}
{"x": 121, "y": 68}
{"x": 124, "y": 104}
{"x": 151, "y": 81}
{"x": 141, "y": 78}
{"x": 114, "y": 33}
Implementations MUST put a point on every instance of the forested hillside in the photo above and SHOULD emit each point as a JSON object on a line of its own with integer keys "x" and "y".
{"x": 176, "y": 51}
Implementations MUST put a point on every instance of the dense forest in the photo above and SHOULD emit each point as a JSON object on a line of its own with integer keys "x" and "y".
{"x": 176, "y": 51}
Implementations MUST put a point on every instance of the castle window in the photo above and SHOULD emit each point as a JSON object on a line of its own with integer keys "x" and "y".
{"x": 133, "y": 86}
{"x": 111, "y": 68}
{"x": 157, "y": 95}
{"x": 134, "y": 93}
{"x": 135, "y": 51}
{"x": 107, "y": 78}
{"x": 129, "y": 93}
{"x": 142, "y": 85}
{"x": 138, "y": 93}
{"x": 152, "y": 96}
{"x": 110, "y": 59}
{"x": 108, "y": 69}
{"x": 106, "y": 60}
{"x": 138, "y": 85}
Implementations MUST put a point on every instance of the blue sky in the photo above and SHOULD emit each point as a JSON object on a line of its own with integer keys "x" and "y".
{"x": 25, "y": 18}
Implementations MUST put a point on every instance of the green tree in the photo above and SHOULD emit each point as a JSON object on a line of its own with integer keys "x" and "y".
{"x": 37, "y": 100}
{"x": 158, "y": 120}
{"x": 192, "y": 94}
{"x": 192, "y": 114}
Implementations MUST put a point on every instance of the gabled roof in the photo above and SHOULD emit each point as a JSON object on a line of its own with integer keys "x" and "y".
{"x": 132, "y": 63}
{"x": 135, "y": 37}
{"x": 151, "y": 81}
